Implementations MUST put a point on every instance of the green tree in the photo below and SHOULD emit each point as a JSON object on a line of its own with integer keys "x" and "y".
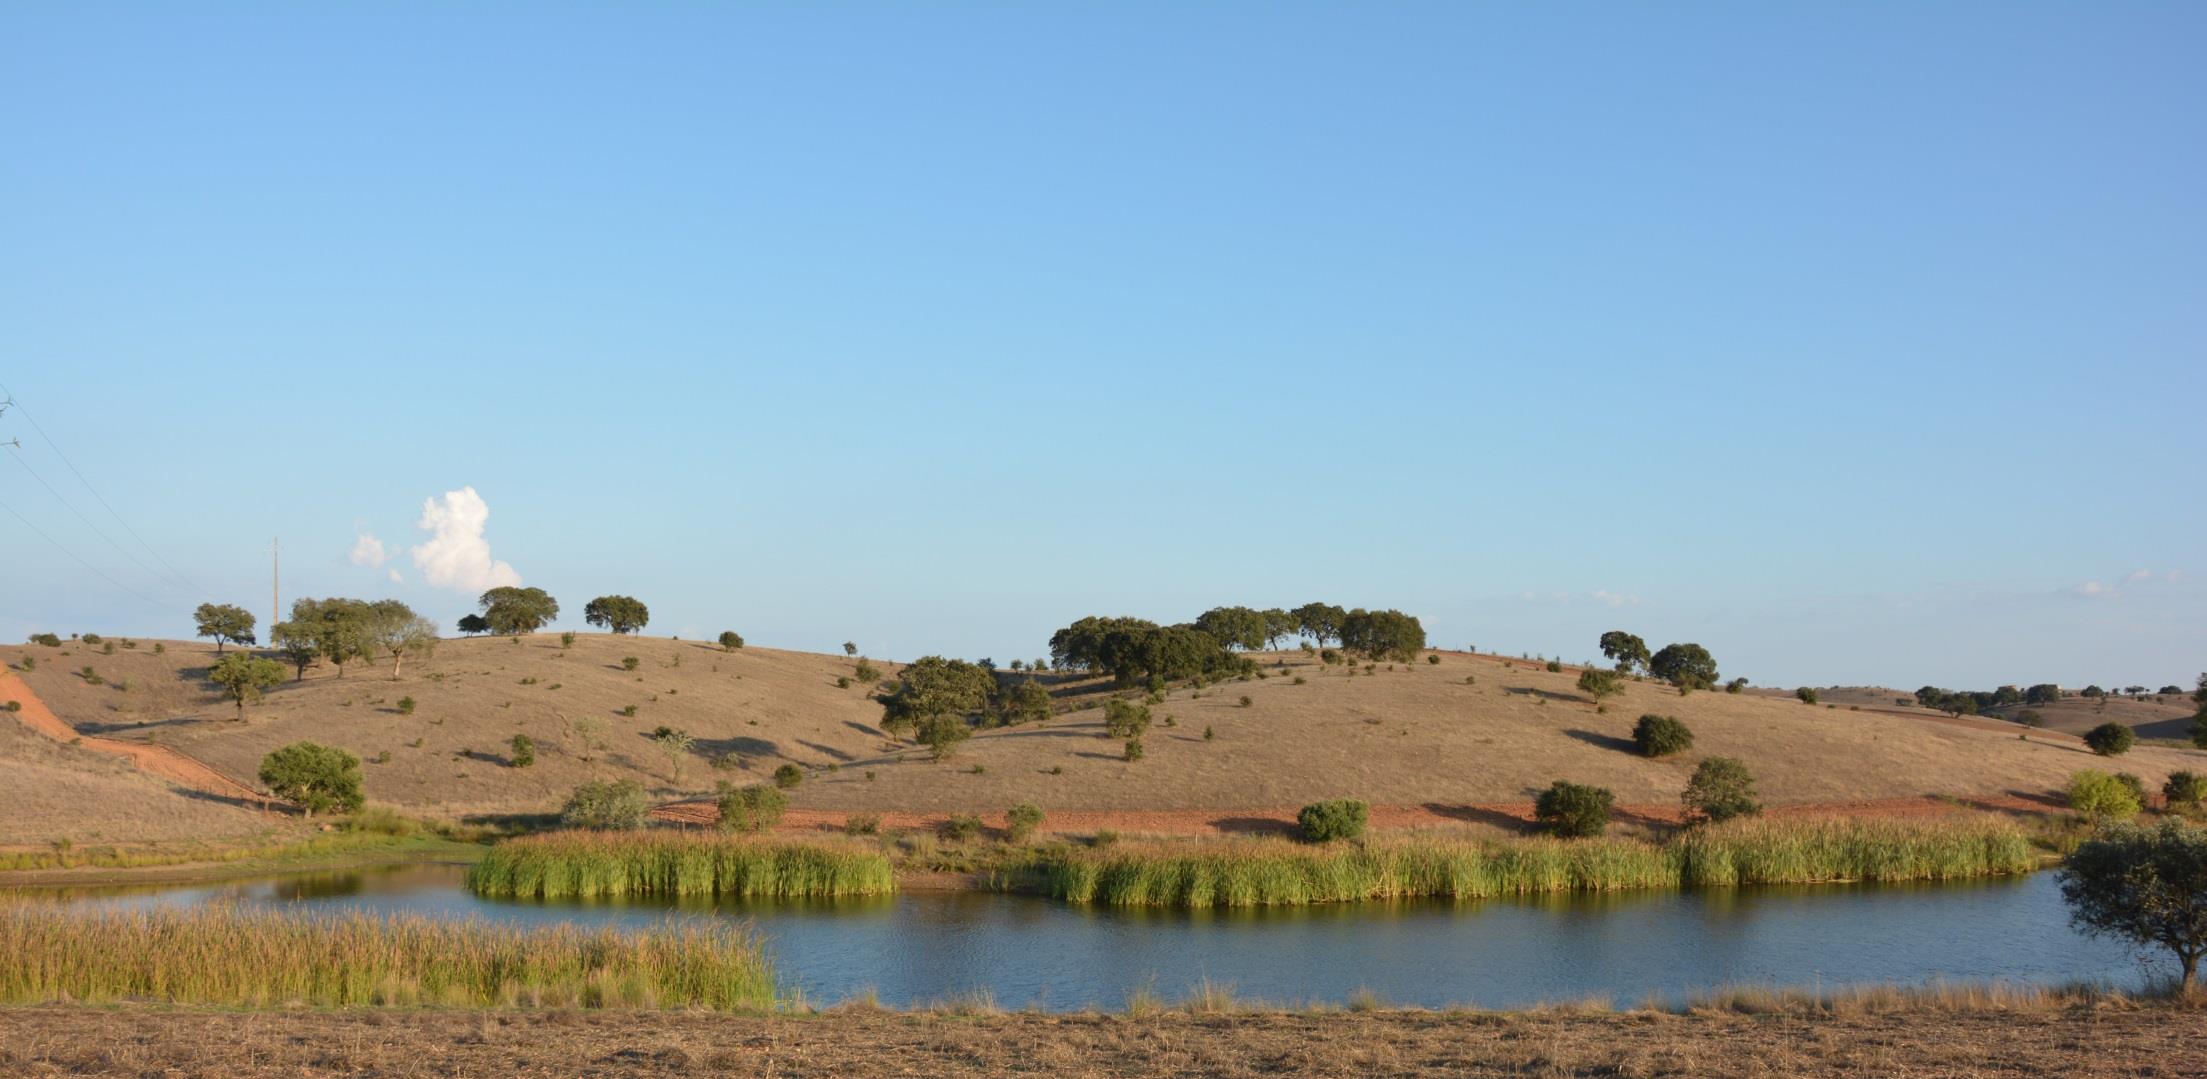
{"x": 1598, "y": 683}
{"x": 941, "y": 734}
{"x": 316, "y": 777}
{"x": 1125, "y": 720}
{"x": 2184, "y": 789}
{"x": 243, "y": 677}
{"x": 2110, "y": 739}
{"x": 224, "y": 622}
{"x": 607, "y": 804}
{"x": 512, "y": 610}
{"x": 298, "y": 642}
{"x": 676, "y": 744}
{"x": 472, "y": 624}
{"x": 1687, "y": 666}
{"x": 1661, "y": 736}
{"x": 788, "y": 775}
{"x": 1721, "y": 789}
{"x": 524, "y": 750}
{"x": 1321, "y": 621}
{"x": 730, "y": 640}
{"x": 621, "y": 614}
{"x": 2100, "y": 796}
{"x": 1324, "y": 822}
{"x": 1807, "y": 695}
{"x": 398, "y": 632}
{"x": 1573, "y": 811}
{"x": 1279, "y": 627}
{"x": 2146, "y": 885}
{"x": 934, "y": 686}
{"x": 2042, "y": 693}
{"x": 1383, "y": 634}
{"x": 1020, "y": 823}
{"x": 1626, "y": 650}
{"x": 340, "y": 628}
{"x": 1235, "y": 627}
{"x": 1024, "y": 701}
{"x": 750, "y": 809}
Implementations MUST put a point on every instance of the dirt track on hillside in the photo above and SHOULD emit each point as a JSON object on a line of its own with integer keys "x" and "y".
{"x": 176, "y": 767}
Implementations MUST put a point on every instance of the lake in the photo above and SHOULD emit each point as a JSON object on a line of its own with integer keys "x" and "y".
{"x": 925, "y": 947}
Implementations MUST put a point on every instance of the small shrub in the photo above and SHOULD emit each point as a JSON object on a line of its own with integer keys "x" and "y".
{"x": 1104, "y": 837}
{"x": 47, "y": 640}
{"x": 1123, "y": 720}
{"x": 1720, "y": 790}
{"x": 406, "y": 706}
{"x": 383, "y": 757}
{"x": 866, "y": 672}
{"x": 2030, "y": 717}
{"x": 1246, "y": 702}
{"x": 1021, "y": 822}
{"x": 1433, "y": 658}
{"x": 2100, "y": 796}
{"x": 1598, "y": 683}
{"x": 567, "y": 640}
{"x": 629, "y": 663}
{"x": 1573, "y": 811}
{"x": 1324, "y": 822}
{"x": 2184, "y": 789}
{"x": 2110, "y": 739}
{"x": 842, "y": 682}
{"x": 961, "y": 827}
{"x": 30, "y": 663}
{"x": 606, "y": 804}
{"x": 1133, "y": 749}
{"x": 1471, "y": 679}
{"x": 862, "y": 824}
{"x": 524, "y": 750}
{"x": 1329, "y": 656}
{"x": 1661, "y": 736}
{"x": 92, "y": 638}
{"x": 159, "y": 648}
{"x": 1555, "y": 667}
{"x": 628, "y": 709}
{"x": 1208, "y": 733}
{"x": 1807, "y": 695}
{"x": 749, "y": 809}
{"x": 788, "y": 775}
{"x": 1300, "y": 680}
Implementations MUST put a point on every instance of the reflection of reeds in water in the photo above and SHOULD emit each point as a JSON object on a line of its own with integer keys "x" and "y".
{"x": 607, "y": 864}
{"x": 1277, "y": 872}
{"x": 223, "y": 956}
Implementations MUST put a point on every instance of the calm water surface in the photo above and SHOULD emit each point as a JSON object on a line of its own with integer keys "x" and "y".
{"x": 923, "y": 947}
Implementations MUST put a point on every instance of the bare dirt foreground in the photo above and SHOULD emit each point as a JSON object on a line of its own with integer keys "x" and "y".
{"x": 2080, "y": 1040}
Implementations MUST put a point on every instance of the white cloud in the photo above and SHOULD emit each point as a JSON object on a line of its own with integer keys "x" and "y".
{"x": 2094, "y": 588}
{"x": 2137, "y": 575}
{"x": 1614, "y": 599}
{"x": 457, "y": 556}
{"x": 369, "y": 551}
{"x": 395, "y": 578}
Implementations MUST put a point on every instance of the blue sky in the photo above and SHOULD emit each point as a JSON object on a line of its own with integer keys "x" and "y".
{"x": 1861, "y": 344}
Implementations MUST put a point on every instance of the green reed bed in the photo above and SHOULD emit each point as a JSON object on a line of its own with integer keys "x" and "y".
{"x": 227, "y": 957}
{"x": 1278, "y": 872}
{"x": 1820, "y": 851}
{"x": 608, "y": 864}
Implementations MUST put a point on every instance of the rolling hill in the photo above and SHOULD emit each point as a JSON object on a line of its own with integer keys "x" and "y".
{"x": 1466, "y": 731}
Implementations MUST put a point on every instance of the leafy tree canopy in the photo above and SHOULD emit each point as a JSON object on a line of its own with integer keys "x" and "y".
{"x": 1687, "y": 666}
{"x": 513, "y": 610}
{"x": 224, "y": 622}
{"x": 243, "y": 677}
{"x": 1320, "y": 621}
{"x": 317, "y": 777}
{"x": 472, "y": 624}
{"x": 1386, "y": 634}
{"x": 621, "y": 614}
{"x": 1626, "y": 650}
{"x": 2147, "y": 885}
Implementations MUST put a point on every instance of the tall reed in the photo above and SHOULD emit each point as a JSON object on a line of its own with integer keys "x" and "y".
{"x": 227, "y": 957}
{"x": 587, "y": 865}
{"x": 1277, "y": 872}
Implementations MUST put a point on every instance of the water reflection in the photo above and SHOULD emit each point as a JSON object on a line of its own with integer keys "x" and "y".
{"x": 927, "y": 946}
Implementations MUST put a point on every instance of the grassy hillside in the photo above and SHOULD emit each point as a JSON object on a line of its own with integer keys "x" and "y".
{"x": 56, "y": 793}
{"x": 1410, "y": 734}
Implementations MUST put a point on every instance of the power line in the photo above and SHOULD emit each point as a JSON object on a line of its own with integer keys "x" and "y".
{"x": 102, "y": 575}
{"x": 51, "y": 444}
{"x": 96, "y": 530}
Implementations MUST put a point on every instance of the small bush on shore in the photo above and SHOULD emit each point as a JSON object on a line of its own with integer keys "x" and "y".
{"x": 754, "y": 808}
{"x": 1573, "y": 811}
{"x": 788, "y": 775}
{"x": 2100, "y": 796}
{"x": 1021, "y": 822}
{"x": 617, "y": 805}
{"x": 2187, "y": 789}
{"x": 1721, "y": 789}
{"x": 1324, "y": 822}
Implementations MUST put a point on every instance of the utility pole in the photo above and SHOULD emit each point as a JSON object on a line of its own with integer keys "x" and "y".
{"x": 275, "y": 577}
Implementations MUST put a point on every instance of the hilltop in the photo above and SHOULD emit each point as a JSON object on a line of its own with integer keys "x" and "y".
{"x": 1466, "y": 731}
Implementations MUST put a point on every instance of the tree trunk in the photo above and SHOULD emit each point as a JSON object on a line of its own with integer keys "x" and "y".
{"x": 397, "y": 658}
{"x": 2189, "y": 961}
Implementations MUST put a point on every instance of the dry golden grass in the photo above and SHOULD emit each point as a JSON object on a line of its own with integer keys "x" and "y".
{"x": 51, "y": 792}
{"x": 1415, "y": 735}
{"x": 2031, "y": 1039}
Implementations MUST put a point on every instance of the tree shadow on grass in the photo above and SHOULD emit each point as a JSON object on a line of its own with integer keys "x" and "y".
{"x": 1253, "y": 825}
{"x": 1604, "y": 741}
{"x": 1480, "y": 815}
